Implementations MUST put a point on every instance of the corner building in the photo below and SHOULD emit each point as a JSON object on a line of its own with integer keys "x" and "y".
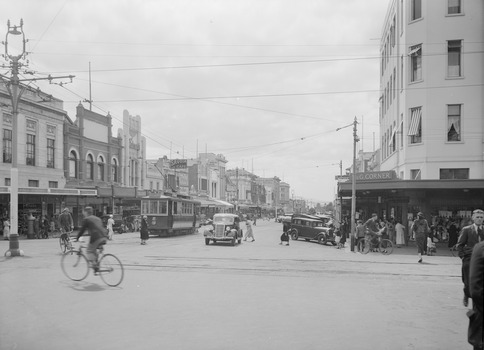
{"x": 431, "y": 110}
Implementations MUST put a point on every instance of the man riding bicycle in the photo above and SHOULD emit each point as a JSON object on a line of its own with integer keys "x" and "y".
{"x": 96, "y": 230}
{"x": 66, "y": 223}
{"x": 371, "y": 228}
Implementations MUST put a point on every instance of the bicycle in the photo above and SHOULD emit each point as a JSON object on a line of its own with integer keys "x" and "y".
{"x": 75, "y": 266}
{"x": 383, "y": 245}
{"x": 65, "y": 242}
{"x": 42, "y": 233}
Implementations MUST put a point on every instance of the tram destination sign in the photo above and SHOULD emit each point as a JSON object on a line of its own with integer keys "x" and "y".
{"x": 376, "y": 176}
{"x": 178, "y": 164}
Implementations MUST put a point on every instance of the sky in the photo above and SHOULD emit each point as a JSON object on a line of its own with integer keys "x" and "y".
{"x": 266, "y": 83}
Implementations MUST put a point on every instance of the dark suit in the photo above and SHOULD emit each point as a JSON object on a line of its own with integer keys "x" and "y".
{"x": 476, "y": 289}
{"x": 468, "y": 238}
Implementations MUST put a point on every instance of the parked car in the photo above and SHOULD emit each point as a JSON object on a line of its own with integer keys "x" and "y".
{"x": 226, "y": 228}
{"x": 311, "y": 229}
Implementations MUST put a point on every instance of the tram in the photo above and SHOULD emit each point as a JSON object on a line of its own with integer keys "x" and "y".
{"x": 170, "y": 216}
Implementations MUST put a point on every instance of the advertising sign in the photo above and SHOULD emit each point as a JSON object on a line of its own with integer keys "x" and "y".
{"x": 178, "y": 164}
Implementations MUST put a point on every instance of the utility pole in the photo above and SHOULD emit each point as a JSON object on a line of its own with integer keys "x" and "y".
{"x": 16, "y": 90}
{"x": 237, "y": 193}
{"x": 353, "y": 189}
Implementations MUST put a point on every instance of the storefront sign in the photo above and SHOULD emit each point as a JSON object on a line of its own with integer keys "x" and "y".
{"x": 178, "y": 163}
{"x": 376, "y": 176}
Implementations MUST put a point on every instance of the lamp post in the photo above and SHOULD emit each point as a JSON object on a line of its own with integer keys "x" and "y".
{"x": 353, "y": 184}
{"x": 15, "y": 94}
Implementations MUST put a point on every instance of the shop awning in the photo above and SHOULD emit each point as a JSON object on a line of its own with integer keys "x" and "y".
{"x": 223, "y": 203}
{"x": 415, "y": 122}
{"x": 52, "y": 191}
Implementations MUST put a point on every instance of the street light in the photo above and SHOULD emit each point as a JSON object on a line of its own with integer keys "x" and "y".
{"x": 15, "y": 94}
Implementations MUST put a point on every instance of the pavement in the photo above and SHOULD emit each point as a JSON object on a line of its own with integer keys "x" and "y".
{"x": 179, "y": 293}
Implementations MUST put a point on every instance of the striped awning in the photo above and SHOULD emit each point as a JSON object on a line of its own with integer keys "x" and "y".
{"x": 415, "y": 122}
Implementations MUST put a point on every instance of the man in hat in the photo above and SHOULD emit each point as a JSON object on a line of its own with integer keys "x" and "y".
{"x": 94, "y": 226}
{"x": 469, "y": 237}
{"x": 421, "y": 229}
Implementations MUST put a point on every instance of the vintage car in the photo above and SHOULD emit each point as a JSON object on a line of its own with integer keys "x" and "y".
{"x": 118, "y": 226}
{"x": 311, "y": 229}
{"x": 226, "y": 228}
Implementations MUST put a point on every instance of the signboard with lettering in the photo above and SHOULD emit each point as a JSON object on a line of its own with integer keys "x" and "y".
{"x": 376, "y": 176}
{"x": 178, "y": 164}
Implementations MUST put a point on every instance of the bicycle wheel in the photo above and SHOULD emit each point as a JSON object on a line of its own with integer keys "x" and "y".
{"x": 75, "y": 265}
{"x": 111, "y": 270}
{"x": 385, "y": 247}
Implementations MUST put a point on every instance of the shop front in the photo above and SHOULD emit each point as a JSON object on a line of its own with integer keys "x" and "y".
{"x": 389, "y": 197}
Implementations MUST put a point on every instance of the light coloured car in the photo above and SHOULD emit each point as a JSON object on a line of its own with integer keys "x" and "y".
{"x": 226, "y": 228}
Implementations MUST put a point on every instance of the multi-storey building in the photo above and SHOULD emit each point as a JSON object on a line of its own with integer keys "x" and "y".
{"x": 431, "y": 111}
{"x": 244, "y": 181}
{"x": 272, "y": 190}
{"x": 134, "y": 152}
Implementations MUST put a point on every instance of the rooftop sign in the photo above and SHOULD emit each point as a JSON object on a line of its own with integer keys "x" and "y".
{"x": 376, "y": 176}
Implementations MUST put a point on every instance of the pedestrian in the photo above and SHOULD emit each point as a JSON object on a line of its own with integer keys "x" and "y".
{"x": 36, "y": 226}
{"x": 400, "y": 234}
{"x": 110, "y": 224}
{"x": 476, "y": 290}
{"x": 144, "y": 234}
{"x": 360, "y": 236}
{"x": 255, "y": 219}
{"x": 249, "y": 232}
{"x": 469, "y": 237}
{"x": 390, "y": 229}
{"x": 6, "y": 229}
{"x": 420, "y": 230}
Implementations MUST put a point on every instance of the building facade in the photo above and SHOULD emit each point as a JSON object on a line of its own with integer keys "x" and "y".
{"x": 134, "y": 152}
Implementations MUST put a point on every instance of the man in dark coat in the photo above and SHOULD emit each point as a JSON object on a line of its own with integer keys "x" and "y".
{"x": 476, "y": 290}
{"x": 469, "y": 237}
{"x": 94, "y": 226}
{"x": 144, "y": 234}
{"x": 421, "y": 229}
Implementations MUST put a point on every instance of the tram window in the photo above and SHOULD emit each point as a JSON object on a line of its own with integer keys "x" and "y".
{"x": 154, "y": 207}
{"x": 145, "y": 206}
{"x": 163, "y": 208}
{"x": 175, "y": 208}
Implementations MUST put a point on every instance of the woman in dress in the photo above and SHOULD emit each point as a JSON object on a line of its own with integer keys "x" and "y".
{"x": 144, "y": 230}
{"x": 400, "y": 233}
{"x": 6, "y": 229}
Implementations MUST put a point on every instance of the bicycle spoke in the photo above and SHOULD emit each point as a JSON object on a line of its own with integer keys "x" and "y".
{"x": 111, "y": 270}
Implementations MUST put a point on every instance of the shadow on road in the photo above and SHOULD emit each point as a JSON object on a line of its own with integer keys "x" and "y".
{"x": 86, "y": 286}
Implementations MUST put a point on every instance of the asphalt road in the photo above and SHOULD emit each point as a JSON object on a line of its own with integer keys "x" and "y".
{"x": 179, "y": 293}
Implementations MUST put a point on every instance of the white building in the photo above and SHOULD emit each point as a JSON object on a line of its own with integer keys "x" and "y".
{"x": 134, "y": 152}
{"x": 432, "y": 89}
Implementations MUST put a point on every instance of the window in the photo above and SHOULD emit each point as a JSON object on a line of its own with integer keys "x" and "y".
{"x": 7, "y": 146}
{"x": 416, "y": 9}
{"x": 415, "y": 174}
{"x": 100, "y": 168}
{"x": 401, "y": 133}
{"x": 157, "y": 185}
{"x": 50, "y": 153}
{"x": 454, "y": 7}
{"x": 163, "y": 209}
{"x": 416, "y": 63}
{"x": 33, "y": 183}
{"x": 415, "y": 129}
{"x": 30, "y": 159}
{"x": 73, "y": 165}
{"x": 114, "y": 170}
{"x": 153, "y": 207}
{"x": 151, "y": 185}
{"x": 90, "y": 167}
{"x": 453, "y": 123}
{"x": 454, "y": 174}
{"x": 401, "y": 73}
{"x": 53, "y": 184}
{"x": 454, "y": 50}
{"x": 7, "y": 181}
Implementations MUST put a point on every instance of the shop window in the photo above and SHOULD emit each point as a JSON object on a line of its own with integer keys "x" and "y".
{"x": 453, "y": 123}
{"x": 33, "y": 183}
{"x": 7, "y": 146}
{"x": 454, "y": 174}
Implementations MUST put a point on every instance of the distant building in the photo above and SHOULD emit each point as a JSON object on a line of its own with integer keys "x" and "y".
{"x": 134, "y": 152}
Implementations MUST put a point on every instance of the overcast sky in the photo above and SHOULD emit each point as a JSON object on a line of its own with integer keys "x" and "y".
{"x": 264, "y": 82}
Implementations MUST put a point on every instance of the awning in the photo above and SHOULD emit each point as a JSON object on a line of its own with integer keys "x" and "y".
{"x": 415, "y": 122}
{"x": 414, "y": 50}
{"x": 206, "y": 202}
{"x": 223, "y": 203}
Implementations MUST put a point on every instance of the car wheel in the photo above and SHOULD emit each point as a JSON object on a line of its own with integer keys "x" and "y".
{"x": 322, "y": 239}
{"x": 239, "y": 241}
{"x": 207, "y": 241}
{"x": 307, "y": 239}
{"x": 294, "y": 235}
{"x": 232, "y": 242}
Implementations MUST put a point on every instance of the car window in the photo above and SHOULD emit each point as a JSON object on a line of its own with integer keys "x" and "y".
{"x": 308, "y": 223}
{"x": 223, "y": 220}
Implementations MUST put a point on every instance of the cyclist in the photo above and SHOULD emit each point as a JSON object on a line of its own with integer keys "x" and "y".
{"x": 66, "y": 224}
{"x": 96, "y": 230}
{"x": 371, "y": 228}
